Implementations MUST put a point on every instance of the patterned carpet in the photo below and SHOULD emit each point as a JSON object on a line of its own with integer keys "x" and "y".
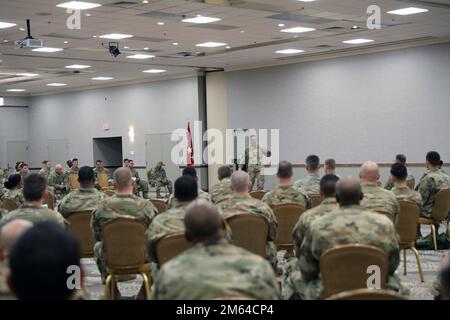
{"x": 418, "y": 290}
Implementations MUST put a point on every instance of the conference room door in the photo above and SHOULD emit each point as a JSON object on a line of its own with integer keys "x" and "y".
{"x": 158, "y": 146}
{"x": 16, "y": 151}
{"x": 58, "y": 151}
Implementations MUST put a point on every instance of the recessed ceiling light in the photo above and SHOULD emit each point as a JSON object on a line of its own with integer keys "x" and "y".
{"x": 297, "y": 30}
{"x": 5, "y": 40}
{"x": 357, "y": 41}
{"x": 26, "y": 74}
{"x": 4, "y": 25}
{"x": 47, "y": 49}
{"x": 125, "y": 47}
{"x": 306, "y": 0}
{"x": 211, "y": 44}
{"x": 55, "y": 84}
{"x": 16, "y": 90}
{"x": 78, "y": 5}
{"x": 102, "y": 78}
{"x": 77, "y": 66}
{"x": 140, "y": 56}
{"x": 116, "y": 36}
{"x": 175, "y": 43}
{"x": 94, "y": 36}
{"x": 281, "y": 24}
{"x": 146, "y": 48}
{"x": 160, "y": 23}
{"x": 22, "y": 29}
{"x": 228, "y": 47}
{"x": 406, "y": 11}
{"x": 145, "y": 1}
{"x": 201, "y": 19}
{"x": 355, "y": 27}
{"x": 289, "y": 51}
{"x": 66, "y": 42}
{"x": 87, "y": 14}
{"x": 154, "y": 71}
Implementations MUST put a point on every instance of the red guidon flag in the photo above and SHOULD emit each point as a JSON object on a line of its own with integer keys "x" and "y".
{"x": 190, "y": 148}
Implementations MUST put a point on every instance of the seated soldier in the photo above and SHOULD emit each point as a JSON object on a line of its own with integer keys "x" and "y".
{"x": 141, "y": 185}
{"x": 222, "y": 190}
{"x": 350, "y": 223}
{"x": 243, "y": 203}
{"x": 376, "y": 198}
{"x": 410, "y": 180}
{"x": 311, "y": 182}
{"x": 123, "y": 204}
{"x": 99, "y": 169}
{"x": 86, "y": 198}
{"x": 189, "y": 171}
{"x": 35, "y": 194}
{"x": 213, "y": 268}
{"x": 59, "y": 181}
{"x": 13, "y": 188}
{"x": 399, "y": 175}
{"x": 159, "y": 178}
{"x": 173, "y": 219}
{"x": 44, "y": 275}
{"x": 286, "y": 192}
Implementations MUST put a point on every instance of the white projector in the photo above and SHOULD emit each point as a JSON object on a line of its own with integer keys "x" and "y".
{"x": 29, "y": 43}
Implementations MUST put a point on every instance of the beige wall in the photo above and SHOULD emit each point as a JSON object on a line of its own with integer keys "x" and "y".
{"x": 217, "y": 113}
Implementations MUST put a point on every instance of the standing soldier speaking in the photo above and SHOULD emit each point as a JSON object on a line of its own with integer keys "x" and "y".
{"x": 252, "y": 159}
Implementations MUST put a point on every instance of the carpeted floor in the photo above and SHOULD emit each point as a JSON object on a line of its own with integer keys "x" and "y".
{"x": 418, "y": 290}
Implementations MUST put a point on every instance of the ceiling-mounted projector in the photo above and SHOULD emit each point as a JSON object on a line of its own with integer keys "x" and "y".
{"x": 29, "y": 41}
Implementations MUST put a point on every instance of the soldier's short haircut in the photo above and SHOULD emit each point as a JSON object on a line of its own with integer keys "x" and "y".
{"x": 312, "y": 162}
{"x": 125, "y": 160}
{"x": 86, "y": 175}
{"x": 122, "y": 178}
{"x": 45, "y": 162}
{"x": 401, "y": 158}
{"x": 69, "y": 163}
{"x": 224, "y": 172}
{"x": 23, "y": 165}
{"x": 202, "y": 221}
{"x": 240, "y": 181}
{"x": 284, "y": 170}
{"x": 348, "y": 191}
{"x": 74, "y": 159}
{"x": 399, "y": 171}
{"x": 186, "y": 188}
{"x": 331, "y": 163}
{"x": 34, "y": 187}
{"x": 130, "y": 160}
{"x": 434, "y": 158}
{"x": 98, "y": 161}
{"x": 328, "y": 185}
{"x": 39, "y": 263}
{"x": 189, "y": 171}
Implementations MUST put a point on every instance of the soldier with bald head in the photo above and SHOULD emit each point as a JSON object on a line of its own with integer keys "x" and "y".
{"x": 334, "y": 229}
{"x": 242, "y": 203}
{"x": 376, "y": 198}
{"x": 59, "y": 181}
{"x": 213, "y": 268}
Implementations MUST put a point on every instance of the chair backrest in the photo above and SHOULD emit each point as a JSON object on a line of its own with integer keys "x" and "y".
{"x": 170, "y": 246}
{"x": 250, "y": 232}
{"x": 367, "y": 294}
{"x": 50, "y": 200}
{"x": 387, "y": 214}
{"x": 123, "y": 240}
{"x": 287, "y": 216}
{"x": 102, "y": 180}
{"x": 258, "y": 194}
{"x": 73, "y": 182}
{"x": 345, "y": 267}
{"x": 109, "y": 192}
{"x": 441, "y": 205}
{"x": 407, "y": 221}
{"x": 10, "y": 204}
{"x": 316, "y": 199}
{"x": 79, "y": 224}
{"x": 159, "y": 204}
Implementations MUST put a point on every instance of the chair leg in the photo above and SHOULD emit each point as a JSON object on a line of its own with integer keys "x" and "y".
{"x": 108, "y": 289}
{"x": 404, "y": 262}
{"x": 147, "y": 284}
{"x": 433, "y": 235}
{"x": 419, "y": 263}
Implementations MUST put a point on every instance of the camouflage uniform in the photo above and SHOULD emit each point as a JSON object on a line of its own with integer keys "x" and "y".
{"x": 216, "y": 270}
{"x": 253, "y": 156}
{"x": 71, "y": 172}
{"x": 347, "y": 225}
{"x": 247, "y": 204}
{"x": 80, "y": 200}
{"x": 430, "y": 184}
{"x": 170, "y": 221}
{"x": 15, "y": 194}
{"x": 376, "y": 198}
{"x": 287, "y": 194}
{"x": 310, "y": 184}
{"x": 5, "y": 292}
{"x": 46, "y": 174}
{"x": 410, "y": 181}
{"x": 221, "y": 191}
{"x": 202, "y": 195}
{"x": 56, "y": 180}
{"x": 141, "y": 185}
{"x": 407, "y": 194}
{"x": 117, "y": 206}
{"x": 100, "y": 170}
{"x": 33, "y": 214}
{"x": 159, "y": 178}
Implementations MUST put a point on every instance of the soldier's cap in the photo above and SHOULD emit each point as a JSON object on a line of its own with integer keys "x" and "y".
{"x": 161, "y": 162}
